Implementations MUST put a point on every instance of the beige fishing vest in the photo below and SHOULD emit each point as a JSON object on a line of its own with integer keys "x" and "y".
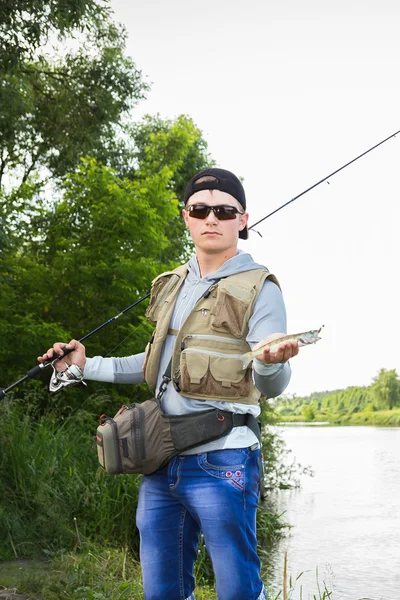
{"x": 206, "y": 360}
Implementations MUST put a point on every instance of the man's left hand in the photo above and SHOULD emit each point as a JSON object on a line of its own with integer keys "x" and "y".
{"x": 284, "y": 352}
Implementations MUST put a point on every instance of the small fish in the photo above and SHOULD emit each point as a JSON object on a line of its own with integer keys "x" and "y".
{"x": 303, "y": 339}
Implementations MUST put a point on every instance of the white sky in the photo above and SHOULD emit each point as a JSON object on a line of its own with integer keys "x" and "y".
{"x": 286, "y": 92}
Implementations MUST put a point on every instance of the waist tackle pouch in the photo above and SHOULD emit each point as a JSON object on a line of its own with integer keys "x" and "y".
{"x": 142, "y": 439}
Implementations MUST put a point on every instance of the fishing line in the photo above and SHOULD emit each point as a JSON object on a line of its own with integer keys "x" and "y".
{"x": 36, "y": 370}
{"x": 324, "y": 179}
{"x": 135, "y": 330}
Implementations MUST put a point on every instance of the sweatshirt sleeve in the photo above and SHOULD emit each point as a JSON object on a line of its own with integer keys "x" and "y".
{"x": 269, "y": 316}
{"x": 128, "y": 369}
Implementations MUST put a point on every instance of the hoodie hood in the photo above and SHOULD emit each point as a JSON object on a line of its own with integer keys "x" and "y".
{"x": 195, "y": 285}
{"x": 237, "y": 264}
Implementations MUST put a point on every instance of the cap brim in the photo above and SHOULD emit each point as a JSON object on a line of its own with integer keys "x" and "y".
{"x": 244, "y": 233}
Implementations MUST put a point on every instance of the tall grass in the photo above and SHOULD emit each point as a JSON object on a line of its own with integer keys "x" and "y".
{"x": 51, "y": 487}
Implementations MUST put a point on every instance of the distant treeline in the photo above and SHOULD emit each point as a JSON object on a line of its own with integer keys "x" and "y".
{"x": 340, "y": 405}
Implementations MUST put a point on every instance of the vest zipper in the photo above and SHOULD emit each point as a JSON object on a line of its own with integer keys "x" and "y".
{"x": 211, "y": 353}
{"x": 212, "y": 338}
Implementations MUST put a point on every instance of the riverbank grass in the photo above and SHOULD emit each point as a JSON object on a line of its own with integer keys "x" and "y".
{"x": 94, "y": 574}
{"x": 99, "y": 574}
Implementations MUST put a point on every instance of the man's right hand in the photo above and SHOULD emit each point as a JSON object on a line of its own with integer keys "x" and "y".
{"x": 76, "y": 357}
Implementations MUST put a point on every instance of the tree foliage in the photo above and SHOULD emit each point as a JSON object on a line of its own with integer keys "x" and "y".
{"x": 25, "y": 25}
{"x": 61, "y": 102}
{"x": 89, "y": 200}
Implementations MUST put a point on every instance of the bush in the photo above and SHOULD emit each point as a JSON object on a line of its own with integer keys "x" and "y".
{"x": 308, "y": 413}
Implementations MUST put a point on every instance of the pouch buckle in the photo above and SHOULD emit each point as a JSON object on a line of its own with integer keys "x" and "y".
{"x": 163, "y": 387}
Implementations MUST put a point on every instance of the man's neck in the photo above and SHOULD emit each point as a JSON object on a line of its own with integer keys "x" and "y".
{"x": 209, "y": 263}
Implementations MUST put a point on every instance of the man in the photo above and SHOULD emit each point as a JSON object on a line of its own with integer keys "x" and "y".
{"x": 207, "y": 313}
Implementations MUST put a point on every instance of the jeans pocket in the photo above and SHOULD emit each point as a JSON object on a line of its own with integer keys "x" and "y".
{"x": 226, "y": 464}
{"x": 230, "y": 458}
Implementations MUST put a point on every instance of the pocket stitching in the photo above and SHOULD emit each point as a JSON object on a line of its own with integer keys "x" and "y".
{"x": 222, "y": 468}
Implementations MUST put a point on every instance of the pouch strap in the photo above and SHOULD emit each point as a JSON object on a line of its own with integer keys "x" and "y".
{"x": 238, "y": 420}
{"x": 250, "y": 421}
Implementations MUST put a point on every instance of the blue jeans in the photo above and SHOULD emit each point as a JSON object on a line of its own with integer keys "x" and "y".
{"x": 217, "y": 493}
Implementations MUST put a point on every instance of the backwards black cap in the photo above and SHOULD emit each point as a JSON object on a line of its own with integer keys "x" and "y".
{"x": 225, "y": 181}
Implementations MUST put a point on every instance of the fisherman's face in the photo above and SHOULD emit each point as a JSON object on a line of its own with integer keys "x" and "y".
{"x": 211, "y": 234}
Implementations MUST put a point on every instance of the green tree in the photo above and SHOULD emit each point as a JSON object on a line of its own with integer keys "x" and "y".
{"x": 59, "y": 102}
{"x": 386, "y": 388}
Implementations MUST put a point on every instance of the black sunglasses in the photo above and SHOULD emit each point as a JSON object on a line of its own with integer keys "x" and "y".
{"x": 222, "y": 212}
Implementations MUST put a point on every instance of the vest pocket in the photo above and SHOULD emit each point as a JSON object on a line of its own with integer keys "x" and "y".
{"x": 153, "y": 309}
{"x": 232, "y": 309}
{"x": 203, "y": 373}
{"x": 160, "y": 289}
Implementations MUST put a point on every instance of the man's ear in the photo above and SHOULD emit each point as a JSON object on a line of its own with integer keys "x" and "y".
{"x": 185, "y": 216}
{"x": 243, "y": 220}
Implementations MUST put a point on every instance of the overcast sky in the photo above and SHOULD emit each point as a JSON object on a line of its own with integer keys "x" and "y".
{"x": 286, "y": 92}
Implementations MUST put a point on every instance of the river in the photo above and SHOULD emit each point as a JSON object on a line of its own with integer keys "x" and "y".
{"x": 345, "y": 518}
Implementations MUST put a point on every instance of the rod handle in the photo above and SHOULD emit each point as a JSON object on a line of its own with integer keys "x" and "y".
{"x": 36, "y": 370}
{"x": 65, "y": 350}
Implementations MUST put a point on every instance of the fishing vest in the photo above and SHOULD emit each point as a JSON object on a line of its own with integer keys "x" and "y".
{"x": 206, "y": 363}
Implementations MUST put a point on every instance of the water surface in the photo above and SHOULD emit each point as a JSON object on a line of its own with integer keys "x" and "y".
{"x": 346, "y": 518}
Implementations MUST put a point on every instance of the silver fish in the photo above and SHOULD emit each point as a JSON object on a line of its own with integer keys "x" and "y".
{"x": 303, "y": 339}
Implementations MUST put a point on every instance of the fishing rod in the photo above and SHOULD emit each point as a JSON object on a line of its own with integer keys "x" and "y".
{"x": 325, "y": 179}
{"x": 38, "y": 368}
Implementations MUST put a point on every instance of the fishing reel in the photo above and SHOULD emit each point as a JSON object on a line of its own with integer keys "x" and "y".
{"x": 71, "y": 375}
